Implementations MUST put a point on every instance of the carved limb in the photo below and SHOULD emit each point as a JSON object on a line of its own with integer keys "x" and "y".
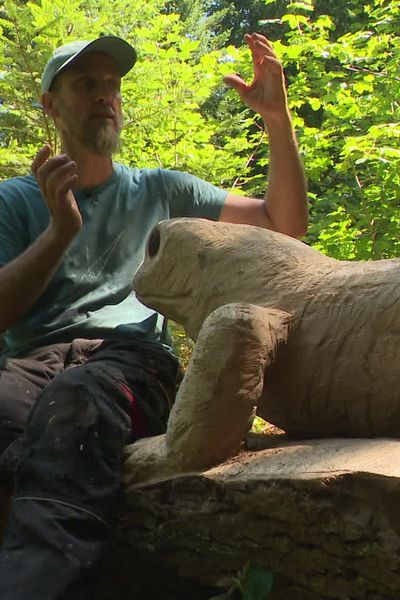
{"x": 215, "y": 403}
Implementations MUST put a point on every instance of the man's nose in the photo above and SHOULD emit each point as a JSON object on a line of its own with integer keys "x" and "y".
{"x": 104, "y": 92}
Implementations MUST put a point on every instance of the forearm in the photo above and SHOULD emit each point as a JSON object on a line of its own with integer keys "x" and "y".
{"x": 286, "y": 197}
{"x": 23, "y": 280}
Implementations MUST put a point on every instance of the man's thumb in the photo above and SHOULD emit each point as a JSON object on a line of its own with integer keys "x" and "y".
{"x": 235, "y": 82}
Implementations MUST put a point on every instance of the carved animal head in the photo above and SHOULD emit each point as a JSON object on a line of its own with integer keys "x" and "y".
{"x": 192, "y": 266}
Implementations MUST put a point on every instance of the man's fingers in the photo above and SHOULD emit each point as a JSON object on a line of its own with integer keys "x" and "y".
{"x": 260, "y": 51}
{"x": 260, "y": 46}
{"x": 40, "y": 158}
{"x": 264, "y": 50}
{"x": 261, "y": 38}
{"x": 57, "y": 175}
{"x": 272, "y": 64}
{"x": 269, "y": 63}
{"x": 67, "y": 185}
{"x": 45, "y": 170}
{"x": 257, "y": 37}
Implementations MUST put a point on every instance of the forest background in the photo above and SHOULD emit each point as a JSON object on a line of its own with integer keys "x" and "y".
{"x": 341, "y": 60}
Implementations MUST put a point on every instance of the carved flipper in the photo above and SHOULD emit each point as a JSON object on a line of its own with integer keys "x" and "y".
{"x": 218, "y": 395}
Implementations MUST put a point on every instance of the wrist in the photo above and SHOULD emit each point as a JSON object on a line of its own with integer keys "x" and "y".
{"x": 280, "y": 127}
{"x": 59, "y": 239}
{"x": 281, "y": 118}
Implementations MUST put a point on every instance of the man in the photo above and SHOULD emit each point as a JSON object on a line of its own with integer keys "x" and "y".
{"x": 80, "y": 348}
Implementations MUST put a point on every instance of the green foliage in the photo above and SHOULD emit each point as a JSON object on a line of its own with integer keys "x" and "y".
{"x": 341, "y": 60}
{"x": 344, "y": 95}
{"x": 256, "y": 583}
{"x": 252, "y": 583}
{"x": 182, "y": 344}
{"x": 164, "y": 94}
{"x": 201, "y": 21}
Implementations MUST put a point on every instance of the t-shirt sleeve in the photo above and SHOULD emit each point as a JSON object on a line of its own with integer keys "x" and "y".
{"x": 190, "y": 196}
{"x": 12, "y": 242}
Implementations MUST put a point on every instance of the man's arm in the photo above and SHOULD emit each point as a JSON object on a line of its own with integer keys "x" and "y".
{"x": 284, "y": 207}
{"x": 25, "y": 278}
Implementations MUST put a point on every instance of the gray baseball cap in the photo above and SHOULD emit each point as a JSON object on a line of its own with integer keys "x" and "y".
{"x": 118, "y": 49}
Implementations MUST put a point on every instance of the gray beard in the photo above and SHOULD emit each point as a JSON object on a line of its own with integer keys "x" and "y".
{"x": 101, "y": 140}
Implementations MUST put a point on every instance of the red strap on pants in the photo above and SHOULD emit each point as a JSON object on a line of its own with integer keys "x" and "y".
{"x": 138, "y": 423}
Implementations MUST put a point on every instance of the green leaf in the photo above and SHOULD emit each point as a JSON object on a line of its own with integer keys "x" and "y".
{"x": 301, "y": 5}
{"x": 294, "y": 20}
{"x": 257, "y": 583}
{"x": 315, "y": 103}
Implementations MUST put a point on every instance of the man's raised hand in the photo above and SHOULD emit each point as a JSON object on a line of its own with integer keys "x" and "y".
{"x": 266, "y": 94}
{"x": 57, "y": 177}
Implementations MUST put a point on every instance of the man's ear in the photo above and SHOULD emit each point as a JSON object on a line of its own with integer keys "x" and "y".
{"x": 50, "y": 105}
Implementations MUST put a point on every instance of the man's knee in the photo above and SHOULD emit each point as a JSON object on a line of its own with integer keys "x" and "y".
{"x": 78, "y": 404}
{"x": 76, "y": 434}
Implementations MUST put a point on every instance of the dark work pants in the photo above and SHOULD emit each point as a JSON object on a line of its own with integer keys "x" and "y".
{"x": 90, "y": 398}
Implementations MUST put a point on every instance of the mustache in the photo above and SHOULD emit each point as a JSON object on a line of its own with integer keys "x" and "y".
{"x": 104, "y": 113}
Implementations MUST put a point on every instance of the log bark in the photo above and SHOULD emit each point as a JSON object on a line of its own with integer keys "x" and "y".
{"x": 323, "y": 515}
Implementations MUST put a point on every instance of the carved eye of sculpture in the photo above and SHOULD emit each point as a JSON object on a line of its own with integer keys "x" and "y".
{"x": 154, "y": 241}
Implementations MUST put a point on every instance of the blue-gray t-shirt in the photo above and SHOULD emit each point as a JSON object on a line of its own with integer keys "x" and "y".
{"x": 90, "y": 295}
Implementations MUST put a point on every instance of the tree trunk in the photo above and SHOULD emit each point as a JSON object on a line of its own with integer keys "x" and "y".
{"x": 322, "y": 515}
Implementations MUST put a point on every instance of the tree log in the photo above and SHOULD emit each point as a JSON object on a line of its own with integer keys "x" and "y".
{"x": 322, "y": 515}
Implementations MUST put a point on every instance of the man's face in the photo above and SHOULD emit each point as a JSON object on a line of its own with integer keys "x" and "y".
{"x": 87, "y": 101}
